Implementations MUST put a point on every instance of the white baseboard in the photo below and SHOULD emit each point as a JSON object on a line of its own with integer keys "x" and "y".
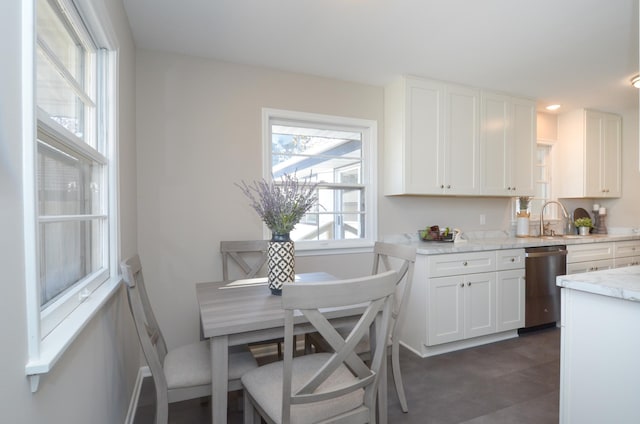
{"x": 135, "y": 396}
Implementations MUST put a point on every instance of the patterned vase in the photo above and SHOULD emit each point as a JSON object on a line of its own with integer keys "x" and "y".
{"x": 281, "y": 262}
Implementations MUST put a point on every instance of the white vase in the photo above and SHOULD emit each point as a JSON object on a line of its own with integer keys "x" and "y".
{"x": 281, "y": 262}
{"x": 522, "y": 226}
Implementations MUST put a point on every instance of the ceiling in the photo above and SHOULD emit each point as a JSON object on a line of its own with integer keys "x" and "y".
{"x": 579, "y": 53}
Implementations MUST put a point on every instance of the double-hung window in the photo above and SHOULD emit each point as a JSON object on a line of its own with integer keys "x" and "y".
{"x": 72, "y": 247}
{"x": 338, "y": 154}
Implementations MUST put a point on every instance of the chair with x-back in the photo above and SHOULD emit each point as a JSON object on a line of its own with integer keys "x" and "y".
{"x": 248, "y": 255}
{"x": 337, "y": 387}
{"x": 247, "y": 258}
{"x": 181, "y": 373}
{"x": 387, "y": 256}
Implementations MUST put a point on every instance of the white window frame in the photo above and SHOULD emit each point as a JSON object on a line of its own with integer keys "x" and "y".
{"x": 369, "y": 175}
{"x": 44, "y": 352}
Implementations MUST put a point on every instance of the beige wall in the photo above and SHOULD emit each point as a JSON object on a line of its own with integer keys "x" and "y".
{"x": 199, "y": 132}
{"x": 93, "y": 381}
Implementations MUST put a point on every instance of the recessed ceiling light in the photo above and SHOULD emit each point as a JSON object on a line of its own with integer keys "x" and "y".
{"x": 553, "y": 107}
{"x": 635, "y": 81}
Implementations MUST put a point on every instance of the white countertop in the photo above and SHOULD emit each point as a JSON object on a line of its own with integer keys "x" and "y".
{"x": 494, "y": 242}
{"x": 621, "y": 283}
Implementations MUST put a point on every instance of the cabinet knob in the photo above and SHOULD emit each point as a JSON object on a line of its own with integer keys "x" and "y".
{"x": 461, "y": 284}
{"x": 465, "y": 263}
{"x": 448, "y": 185}
{"x": 442, "y": 186}
{"x": 468, "y": 284}
{"x": 513, "y": 259}
{"x": 514, "y": 189}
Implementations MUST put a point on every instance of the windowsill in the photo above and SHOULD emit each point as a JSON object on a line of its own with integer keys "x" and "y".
{"x": 53, "y": 346}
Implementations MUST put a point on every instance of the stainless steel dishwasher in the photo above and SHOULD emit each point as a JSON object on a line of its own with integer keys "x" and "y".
{"x": 542, "y": 296}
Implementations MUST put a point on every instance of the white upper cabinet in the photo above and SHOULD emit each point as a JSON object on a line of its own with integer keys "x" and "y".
{"x": 431, "y": 138}
{"x": 507, "y": 145}
{"x": 590, "y": 152}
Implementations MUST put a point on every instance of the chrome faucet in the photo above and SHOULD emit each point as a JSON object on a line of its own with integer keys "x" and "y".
{"x": 544, "y": 232}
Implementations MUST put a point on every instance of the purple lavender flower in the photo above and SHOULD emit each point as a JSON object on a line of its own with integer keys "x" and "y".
{"x": 281, "y": 205}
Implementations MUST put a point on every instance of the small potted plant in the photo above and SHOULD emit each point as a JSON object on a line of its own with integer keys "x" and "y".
{"x": 522, "y": 217}
{"x": 583, "y": 225}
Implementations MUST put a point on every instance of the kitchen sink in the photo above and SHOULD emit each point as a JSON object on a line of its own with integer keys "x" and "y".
{"x": 562, "y": 236}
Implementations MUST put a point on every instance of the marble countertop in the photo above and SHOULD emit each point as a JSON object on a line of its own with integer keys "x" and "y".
{"x": 621, "y": 283}
{"x": 497, "y": 241}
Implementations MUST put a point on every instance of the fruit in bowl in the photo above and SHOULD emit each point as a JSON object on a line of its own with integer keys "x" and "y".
{"x": 433, "y": 233}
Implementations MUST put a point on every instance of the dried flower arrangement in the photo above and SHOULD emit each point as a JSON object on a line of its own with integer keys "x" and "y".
{"x": 281, "y": 204}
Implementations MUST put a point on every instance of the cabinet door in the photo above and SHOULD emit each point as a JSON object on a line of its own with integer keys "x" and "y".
{"x": 479, "y": 304}
{"x": 446, "y": 313}
{"x": 424, "y": 151}
{"x": 494, "y": 144}
{"x": 603, "y": 154}
{"x": 462, "y": 120}
{"x": 523, "y": 147}
{"x": 593, "y": 155}
{"x": 611, "y": 155}
{"x": 507, "y": 145}
{"x": 510, "y": 303}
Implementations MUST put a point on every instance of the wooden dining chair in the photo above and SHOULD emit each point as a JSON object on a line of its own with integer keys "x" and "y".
{"x": 249, "y": 257}
{"x": 387, "y": 256}
{"x": 181, "y": 373}
{"x": 336, "y": 387}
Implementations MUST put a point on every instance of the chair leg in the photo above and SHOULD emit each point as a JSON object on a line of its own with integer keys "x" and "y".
{"x": 397, "y": 376}
{"x": 248, "y": 411}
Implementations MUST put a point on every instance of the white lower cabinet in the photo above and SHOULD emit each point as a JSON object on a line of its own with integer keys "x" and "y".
{"x": 460, "y": 300}
{"x": 626, "y": 253}
{"x": 589, "y": 257}
{"x": 460, "y": 307}
{"x": 510, "y": 300}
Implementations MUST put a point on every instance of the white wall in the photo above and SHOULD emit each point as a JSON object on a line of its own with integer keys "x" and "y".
{"x": 93, "y": 381}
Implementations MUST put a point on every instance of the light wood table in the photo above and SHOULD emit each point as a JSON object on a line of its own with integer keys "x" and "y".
{"x": 245, "y": 311}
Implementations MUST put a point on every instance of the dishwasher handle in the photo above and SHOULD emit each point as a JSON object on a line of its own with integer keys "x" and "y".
{"x": 562, "y": 252}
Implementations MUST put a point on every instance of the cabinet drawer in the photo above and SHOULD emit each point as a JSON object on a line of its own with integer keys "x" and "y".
{"x": 626, "y": 248}
{"x": 626, "y": 261}
{"x": 589, "y": 252}
{"x": 461, "y": 263}
{"x": 580, "y": 267}
{"x": 509, "y": 259}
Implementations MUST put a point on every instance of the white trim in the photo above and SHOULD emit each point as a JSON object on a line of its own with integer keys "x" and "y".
{"x": 56, "y": 343}
{"x": 370, "y": 164}
{"x": 143, "y": 372}
{"x": 29, "y": 178}
{"x": 44, "y": 353}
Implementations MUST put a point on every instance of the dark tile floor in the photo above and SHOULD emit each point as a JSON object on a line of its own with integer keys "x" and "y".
{"x": 514, "y": 381}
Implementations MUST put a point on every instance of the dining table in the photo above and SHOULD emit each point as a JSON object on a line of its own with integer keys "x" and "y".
{"x": 244, "y": 311}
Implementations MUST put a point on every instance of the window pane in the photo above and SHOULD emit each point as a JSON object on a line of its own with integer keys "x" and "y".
{"x": 57, "y": 98}
{"x": 322, "y": 152}
{"x": 69, "y": 251}
{"x": 59, "y": 38}
{"x": 68, "y": 184}
{"x": 339, "y": 215}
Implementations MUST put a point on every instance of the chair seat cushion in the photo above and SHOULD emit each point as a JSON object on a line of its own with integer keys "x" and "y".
{"x": 264, "y": 384}
{"x": 190, "y": 365}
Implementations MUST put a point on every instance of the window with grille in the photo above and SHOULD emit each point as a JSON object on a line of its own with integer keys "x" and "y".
{"x": 337, "y": 153}
{"x": 72, "y": 163}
